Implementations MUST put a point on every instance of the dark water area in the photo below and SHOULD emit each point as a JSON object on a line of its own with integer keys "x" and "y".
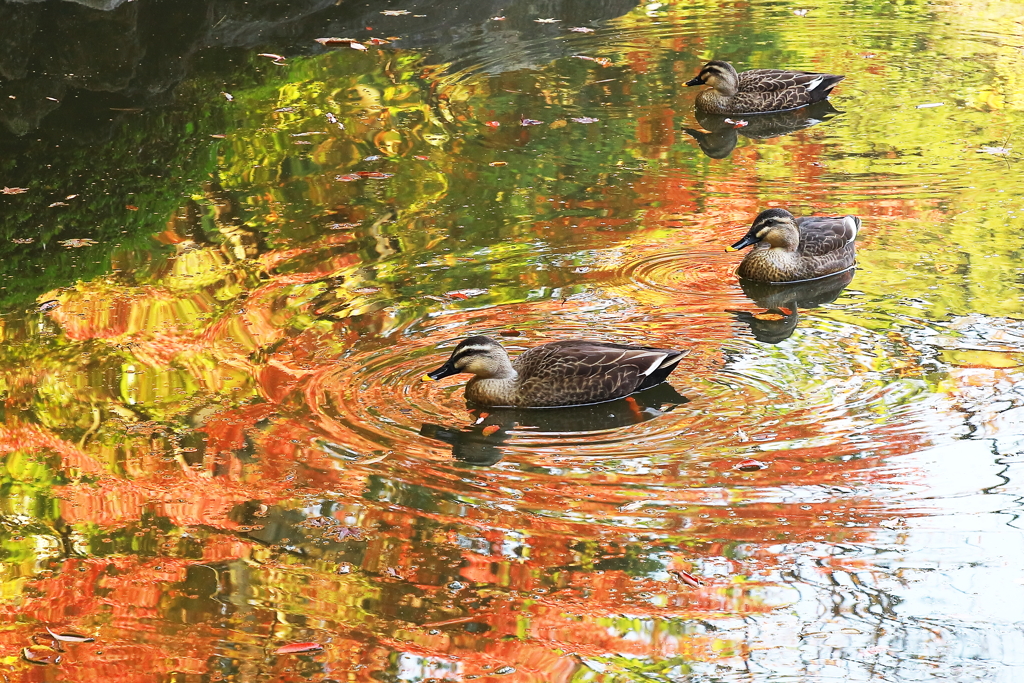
{"x": 228, "y": 253}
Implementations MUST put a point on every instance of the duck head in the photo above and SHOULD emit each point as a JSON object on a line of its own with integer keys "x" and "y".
{"x": 776, "y": 227}
{"x": 480, "y": 356}
{"x": 719, "y": 75}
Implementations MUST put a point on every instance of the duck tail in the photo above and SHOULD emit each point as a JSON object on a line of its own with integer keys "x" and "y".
{"x": 823, "y": 89}
{"x": 852, "y": 225}
{"x": 663, "y": 370}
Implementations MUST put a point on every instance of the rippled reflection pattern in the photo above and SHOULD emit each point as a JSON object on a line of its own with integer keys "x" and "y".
{"x": 219, "y": 462}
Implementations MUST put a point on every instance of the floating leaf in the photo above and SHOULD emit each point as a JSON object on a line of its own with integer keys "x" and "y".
{"x": 23, "y": 240}
{"x": 686, "y": 577}
{"x": 581, "y": 29}
{"x": 603, "y": 61}
{"x": 357, "y": 46}
{"x": 737, "y": 123}
{"x": 492, "y": 124}
{"x": 462, "y": 294}
{"x": 449, "y": 622}
{"x": 498, "y": 163}
{"x": 347, "y": 178}
{"x": 297, "y": 648}
{"x": 530, "y": 122}
{"x": 277, "y": 58}
{"x": 374, "y": 175}
{"x": 930, "y": 105}
{"x": 547, "y": 21}
{"x": 14, "y": 190}
{"x": 420, "y": 157}
{"x": 335, "y": 42}
{"x": 40, "y": 657}
{"x": 585, "y": 119}
{"x": 228, "y": 96}
{"x": 70, "y": 637}
{"x": 395, "y": 12}
{"x": 750, "y": 465}
{"x": 801, "y": 12}
{"x": 75, "y": 243}
{"x": 131, "y": 207}
{"x": 378, "y": 41}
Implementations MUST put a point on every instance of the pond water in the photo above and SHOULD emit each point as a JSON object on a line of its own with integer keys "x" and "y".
{"x": 223, "y": 277}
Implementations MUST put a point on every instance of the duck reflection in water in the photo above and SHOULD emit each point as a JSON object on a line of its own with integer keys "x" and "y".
{"x": 721, "y": 133}
{"x": 783, "y": 301}
{"x": 483, "y": 443}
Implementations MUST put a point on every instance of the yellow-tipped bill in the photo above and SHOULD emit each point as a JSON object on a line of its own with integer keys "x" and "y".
{"x": 427, "y": 378}
{"x": 731, "y": 249}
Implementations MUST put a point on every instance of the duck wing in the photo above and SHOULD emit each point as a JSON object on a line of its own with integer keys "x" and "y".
{"x": 773, "y": 80}
{"x": 579, "y": 371}
{"x": 820, "y": 235}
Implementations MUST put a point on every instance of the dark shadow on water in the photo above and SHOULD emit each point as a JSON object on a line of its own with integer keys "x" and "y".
{"x": 483, "y": 442}
{"x": 783, "y": 302}
{"x": 95, "y": 57}
{"x": 720, "y": 134}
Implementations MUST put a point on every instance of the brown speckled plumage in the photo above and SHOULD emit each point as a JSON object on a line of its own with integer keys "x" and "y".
{"x": 759, "y": 90}
{"x": 561, "y": 373}
{"x": 789, "y": 249}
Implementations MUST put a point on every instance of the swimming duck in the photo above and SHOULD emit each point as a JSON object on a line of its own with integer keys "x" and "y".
{"x": 759, "y": 90}
{"x": 793, "y": 249}
{"x": 562, "y": 373}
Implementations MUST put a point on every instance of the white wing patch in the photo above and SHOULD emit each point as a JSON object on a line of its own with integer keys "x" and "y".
{"x": 811, "y": 85}
{"x": 658, "y": 359}
{"x": 853, "y": 225}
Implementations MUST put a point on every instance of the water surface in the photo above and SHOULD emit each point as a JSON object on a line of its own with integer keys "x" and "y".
{"x": 219, "y": 297}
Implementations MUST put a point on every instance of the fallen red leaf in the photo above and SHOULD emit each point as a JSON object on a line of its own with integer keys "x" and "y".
{"x": 297, "y": 648}
{"x": 492, "y": 124}
{"x": 131, "y": 207}
{"x": 490, "y": 429}
{"x": 750, "y": 465}
{"x": 686, "y": 577}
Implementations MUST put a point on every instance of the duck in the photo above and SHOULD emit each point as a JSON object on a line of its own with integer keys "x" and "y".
{"x": 561, "y": 373}
{"x": 759, "y": 90}
{"x": 793, "y": 249}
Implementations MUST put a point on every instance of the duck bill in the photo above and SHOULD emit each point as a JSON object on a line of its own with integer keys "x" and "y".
{"x": 695, "y": 81}
{"x": 446, "y": 370}
{"x": 743, "y": 243}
